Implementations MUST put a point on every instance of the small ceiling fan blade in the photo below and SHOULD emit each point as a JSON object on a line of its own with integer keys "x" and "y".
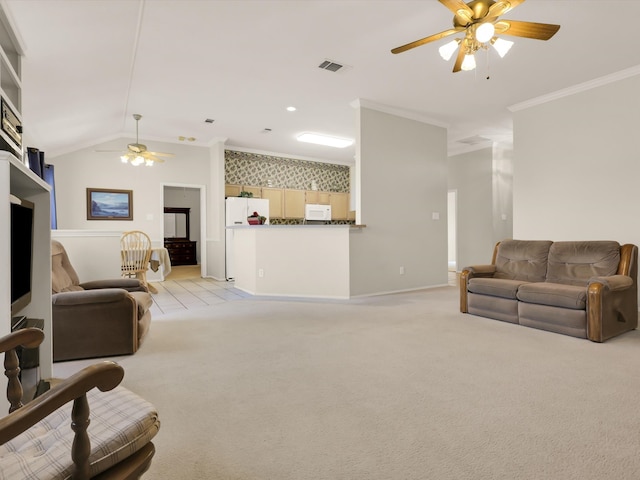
{"x": 424, "y": 40}
{"x": 502, "y": 7}
{"x": 537, "y": 31}
{"x": 458, "y": 7}
{"x": 152, "y": 158}
{"x": 162, "y": 154}
{"x": 459, "y": 59}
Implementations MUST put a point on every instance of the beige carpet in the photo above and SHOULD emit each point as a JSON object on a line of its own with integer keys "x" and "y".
{"x": 392, "y": 387}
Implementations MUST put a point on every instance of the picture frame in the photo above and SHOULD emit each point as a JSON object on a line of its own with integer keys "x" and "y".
{"x": 109, "y": 204}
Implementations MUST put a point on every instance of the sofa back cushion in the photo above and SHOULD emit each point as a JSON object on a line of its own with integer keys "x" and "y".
{"x": 522, "y": 260}
{"x": 573, "y": 263}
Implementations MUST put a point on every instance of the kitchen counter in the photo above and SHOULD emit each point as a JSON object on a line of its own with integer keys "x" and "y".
{"x": 293, "y": 260}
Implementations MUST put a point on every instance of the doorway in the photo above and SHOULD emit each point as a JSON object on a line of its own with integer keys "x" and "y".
{"x": 191, "y": 197}
{"x": 452, "y": 228}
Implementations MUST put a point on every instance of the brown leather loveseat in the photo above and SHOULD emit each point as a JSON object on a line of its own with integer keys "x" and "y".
{"x": 585, "y": 289}
{"x": 98, "y": 318}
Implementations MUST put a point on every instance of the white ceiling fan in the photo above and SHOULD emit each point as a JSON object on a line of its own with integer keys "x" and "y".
{"x": 137, "y": 153}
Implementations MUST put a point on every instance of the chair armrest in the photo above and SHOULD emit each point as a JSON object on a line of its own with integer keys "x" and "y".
{"x": 129, "y": 284}
{"x": 104, "y": 375}
{"x": 84, "y": 297}
{"x": 613, "y": 282}
{"x": 468, "y": 273}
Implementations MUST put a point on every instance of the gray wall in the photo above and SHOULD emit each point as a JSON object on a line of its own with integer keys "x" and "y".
{"x": 401, "y": 176}
{"x": 577, "y": 166}
{"x": 483, "y": 180}
{"x": 471, "y": 175}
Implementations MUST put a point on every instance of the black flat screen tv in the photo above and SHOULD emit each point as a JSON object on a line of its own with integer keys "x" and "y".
{"x": 21, "y": 253}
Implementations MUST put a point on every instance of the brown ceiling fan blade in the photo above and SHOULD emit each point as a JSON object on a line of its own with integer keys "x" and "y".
{"x": 502, "y": 7}
{"x": 424, "y": 40}
{"x": 537, "y": 31}
{"x": 459, "y": 59}
{"x": 458, "y": 7}
{"x": 161, "y": 154}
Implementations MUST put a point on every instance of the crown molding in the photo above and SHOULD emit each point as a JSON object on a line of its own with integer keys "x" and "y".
{"x": 399, "y": 112}
{"x": 581, "y": 87}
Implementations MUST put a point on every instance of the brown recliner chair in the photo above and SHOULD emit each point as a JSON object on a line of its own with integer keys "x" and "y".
{"x": 98, "y": 318}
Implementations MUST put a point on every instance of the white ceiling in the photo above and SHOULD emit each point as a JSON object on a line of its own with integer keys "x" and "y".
{"x": 89, "y": 65}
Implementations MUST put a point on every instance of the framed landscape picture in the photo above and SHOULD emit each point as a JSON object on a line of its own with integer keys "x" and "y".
{"x": 108, "y": 204}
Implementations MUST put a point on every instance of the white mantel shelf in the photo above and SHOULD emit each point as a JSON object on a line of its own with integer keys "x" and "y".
{"x": 293, "y": 260}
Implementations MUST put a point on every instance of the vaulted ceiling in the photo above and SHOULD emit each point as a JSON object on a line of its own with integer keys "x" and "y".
{"x": 90, "y": 65}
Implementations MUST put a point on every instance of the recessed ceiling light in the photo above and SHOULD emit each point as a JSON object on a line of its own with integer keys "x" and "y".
{"x": 327, "y": 140}
{"x": 291, "y": 109}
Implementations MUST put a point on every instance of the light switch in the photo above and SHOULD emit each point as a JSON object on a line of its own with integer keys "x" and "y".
{"x": 435, "y": 216}
{"x": 150, "y": 216}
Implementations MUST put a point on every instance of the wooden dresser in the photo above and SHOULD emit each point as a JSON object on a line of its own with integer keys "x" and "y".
{"x": 181, "y": 252}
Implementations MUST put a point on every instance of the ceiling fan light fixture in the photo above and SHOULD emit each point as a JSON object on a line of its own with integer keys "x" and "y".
{"x": 124, "y": 158}
{"x": 501, "y": 46}
{"x": 148, "y": 162}
{"x": 485, "y": 32}
{"x": 448, "y": 49}
{"x": 469, "y": 63}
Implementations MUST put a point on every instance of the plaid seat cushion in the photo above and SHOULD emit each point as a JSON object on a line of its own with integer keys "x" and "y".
{"x": 121, "y": 424}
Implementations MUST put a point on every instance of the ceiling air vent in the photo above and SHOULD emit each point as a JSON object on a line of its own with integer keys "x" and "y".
{"x": 331, "y": 66}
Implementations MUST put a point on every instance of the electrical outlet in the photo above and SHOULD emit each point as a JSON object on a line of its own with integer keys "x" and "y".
{"x": 401, "y": 270}
{"x": 260, "y": 272}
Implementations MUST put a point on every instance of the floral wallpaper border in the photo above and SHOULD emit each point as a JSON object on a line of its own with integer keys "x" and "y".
{"x": 242, "y": 168}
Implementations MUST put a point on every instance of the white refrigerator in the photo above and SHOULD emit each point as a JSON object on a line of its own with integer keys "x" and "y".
{"x": 237, "y": 209}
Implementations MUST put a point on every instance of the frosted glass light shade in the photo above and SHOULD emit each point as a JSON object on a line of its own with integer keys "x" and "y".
{"x": 469, "y": 63}
{"x": 447, "y": 50}
{"x": 501, "y": 46}
{"x": 326, "y": 140}
{"x": 485, "y": 32}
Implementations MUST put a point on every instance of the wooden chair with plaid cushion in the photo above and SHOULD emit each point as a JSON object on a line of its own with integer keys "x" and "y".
{"x": 84, "y": 427}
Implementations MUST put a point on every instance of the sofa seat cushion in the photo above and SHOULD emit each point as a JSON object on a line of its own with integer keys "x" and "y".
{"x": 121, "y": 423}
{"x": 554, "y": 295}
{"x": 495, "y": 287}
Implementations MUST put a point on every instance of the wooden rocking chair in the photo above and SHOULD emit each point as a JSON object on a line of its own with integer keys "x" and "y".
{"x": 47, "y": 438}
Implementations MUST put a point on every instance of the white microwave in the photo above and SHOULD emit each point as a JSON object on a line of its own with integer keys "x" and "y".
{"x": 313, "y": 211}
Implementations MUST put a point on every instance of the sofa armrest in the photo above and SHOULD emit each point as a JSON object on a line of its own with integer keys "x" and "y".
{"x": 129, "y": 284}
{"x": 612, "y": 306}
{"x": 613, "y": 282}
{"x": 85, "y": 297}
{"x": 481, "y": 270}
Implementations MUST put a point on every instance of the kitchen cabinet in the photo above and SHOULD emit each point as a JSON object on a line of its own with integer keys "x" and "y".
{"x": 232, "y": 190}
{"x": 294, "y": 203}
{"x": 235, "y": 190}
{"x": 276, "y": 201}
{"x": 316, "y": 197}
{"x": 339, "y": 205}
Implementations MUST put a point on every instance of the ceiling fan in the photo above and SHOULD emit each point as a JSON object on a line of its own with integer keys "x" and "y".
{"x": 479, "y": 20}
{"x": 137, "y": 153}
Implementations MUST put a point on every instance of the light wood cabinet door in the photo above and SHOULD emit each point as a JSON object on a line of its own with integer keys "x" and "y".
{"x": 257, "y": 191}
{"x": 276, "y": 201}
{"x": 232, "y": 190}
{"x": 316, "y": 197}
{"x": 339, "y": 206}
{"x": 294, "y": 203}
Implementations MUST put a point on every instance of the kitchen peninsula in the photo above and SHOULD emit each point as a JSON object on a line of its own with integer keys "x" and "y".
{"x": 293, "y": 260}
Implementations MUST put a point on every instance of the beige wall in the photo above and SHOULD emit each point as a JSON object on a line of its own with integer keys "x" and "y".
{"x": 577, "y": 166}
